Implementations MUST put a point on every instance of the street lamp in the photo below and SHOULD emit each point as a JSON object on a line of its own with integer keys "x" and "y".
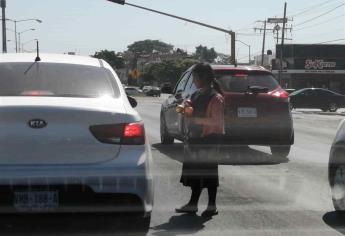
{"x": 231, "y": 33}
{"x": 15, "y": 27}
{"x": 250, "y": 56}
{"x": 20, "y": 35}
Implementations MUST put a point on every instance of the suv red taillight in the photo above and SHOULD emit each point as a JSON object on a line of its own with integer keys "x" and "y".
{"x": 281, "y": 94}
{"x": 124, "y": 134}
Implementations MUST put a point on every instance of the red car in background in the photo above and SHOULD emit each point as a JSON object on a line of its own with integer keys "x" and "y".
{"x": 257, "y": 110}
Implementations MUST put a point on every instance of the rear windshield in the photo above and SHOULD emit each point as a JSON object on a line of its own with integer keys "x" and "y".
{"x": 56, "y": 80}
{"x": 240, "y": 81}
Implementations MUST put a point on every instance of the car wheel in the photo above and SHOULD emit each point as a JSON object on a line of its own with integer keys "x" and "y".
{"x": 333, "y": 107}
{"x": 281, "y": 150}
{"x": 337, "y": 174}
{"x": 165, "y": 137}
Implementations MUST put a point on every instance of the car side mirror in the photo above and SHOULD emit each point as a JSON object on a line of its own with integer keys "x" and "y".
{"x": 132, "y": 101}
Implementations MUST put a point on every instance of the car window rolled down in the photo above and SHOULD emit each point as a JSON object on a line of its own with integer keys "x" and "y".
{"x": 56, "y": 80}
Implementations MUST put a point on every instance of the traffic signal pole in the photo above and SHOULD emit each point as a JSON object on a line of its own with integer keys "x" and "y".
{"x": 231, "y": 33}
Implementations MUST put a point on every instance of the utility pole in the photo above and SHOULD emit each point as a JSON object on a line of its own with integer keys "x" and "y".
{"x": 263, "y": 45}
{"x": 16, "y": 35}
{"x": 4, "y": 38}
{"x": 282, "y": 45}
{"x": 264, "y": 39}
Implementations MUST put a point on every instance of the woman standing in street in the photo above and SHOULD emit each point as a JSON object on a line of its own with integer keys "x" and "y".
{"x": 205, "y": 132}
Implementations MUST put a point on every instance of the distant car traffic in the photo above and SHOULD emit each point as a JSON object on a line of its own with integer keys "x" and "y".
{"x": 132, "y": 91}
{"x": 146, "y": 88}
{"x": 257, "y": 109}
{"x": 317, "y": 98}
{"x": 336, "y": 169}
{"x": 70, "y": 140}
{"x": 153, "y": 91}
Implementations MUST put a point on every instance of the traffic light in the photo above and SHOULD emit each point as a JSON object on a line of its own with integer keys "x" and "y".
{"x": 122, "y": 2}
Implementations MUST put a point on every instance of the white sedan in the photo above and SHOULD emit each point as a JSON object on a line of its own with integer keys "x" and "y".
{"x": 70, "y": 140}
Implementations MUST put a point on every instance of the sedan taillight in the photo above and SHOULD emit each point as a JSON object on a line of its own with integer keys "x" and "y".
{"x": 134, "y": 134}
{"x": 125, "y": 134}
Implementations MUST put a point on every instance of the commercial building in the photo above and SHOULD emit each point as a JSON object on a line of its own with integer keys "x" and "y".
{"x": 311, "y": 65}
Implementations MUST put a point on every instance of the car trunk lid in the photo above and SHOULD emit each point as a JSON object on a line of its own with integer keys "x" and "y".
{"x": 44, "y": 130}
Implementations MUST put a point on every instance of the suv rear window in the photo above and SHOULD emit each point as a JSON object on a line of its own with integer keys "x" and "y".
{"x": 56, "y": 80}
{"x": 239, "y": 81}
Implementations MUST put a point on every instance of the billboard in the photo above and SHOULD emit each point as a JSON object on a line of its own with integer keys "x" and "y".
{"x": 312, "y": 51}
{"x": 312, "y": 59}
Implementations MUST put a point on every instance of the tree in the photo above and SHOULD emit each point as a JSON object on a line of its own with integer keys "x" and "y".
{"x": 115, "y": 60}
{"x": 150, "y": 46}
{"x": 204, "y": 54}
{"x": 167, "y": 71}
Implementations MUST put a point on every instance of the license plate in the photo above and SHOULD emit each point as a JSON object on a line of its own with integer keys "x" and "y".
{"x": 36, "y": 201}
{"x": 246, "y": 112}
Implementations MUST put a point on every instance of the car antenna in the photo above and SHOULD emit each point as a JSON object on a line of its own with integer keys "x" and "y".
{"x": 38, "y": 52}
{"x": 38, "y": 59}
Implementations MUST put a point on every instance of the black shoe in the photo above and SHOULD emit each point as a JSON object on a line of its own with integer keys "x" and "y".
{"x": 189, "y": 209}
{"x": 210, "y": 211}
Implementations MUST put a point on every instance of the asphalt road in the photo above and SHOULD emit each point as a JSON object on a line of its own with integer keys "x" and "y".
{"x": 258, "y": 194}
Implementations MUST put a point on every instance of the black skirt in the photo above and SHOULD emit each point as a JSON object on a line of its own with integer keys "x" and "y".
{"x": 200, "y": 166}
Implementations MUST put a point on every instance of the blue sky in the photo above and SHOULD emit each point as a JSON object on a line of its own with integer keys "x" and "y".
{"x": 86, "y": 26}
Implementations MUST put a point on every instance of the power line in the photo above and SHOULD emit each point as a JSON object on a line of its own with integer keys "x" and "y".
{"x": 312, "y": 8}
{"x": 332, "y": 41}
{"x": 337, "y": 30}
{"x": 304, "y": 10}
{"x": 321, "y": 23}
{"x": 317, "y": 17}
{"x": 253, "y": 35}
{"x": 307, "y": 8}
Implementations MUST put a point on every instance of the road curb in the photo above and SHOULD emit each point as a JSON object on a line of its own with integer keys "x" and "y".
{"x": 323, "y": 113}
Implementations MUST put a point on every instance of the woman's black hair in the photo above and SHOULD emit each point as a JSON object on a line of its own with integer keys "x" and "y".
{"x": 207, "y": 76}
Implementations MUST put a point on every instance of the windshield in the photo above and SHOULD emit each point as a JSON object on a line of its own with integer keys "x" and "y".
{"x": 172, "y": 117}
{"x": 239, "y": 82}
{"x": 58, "y": 80}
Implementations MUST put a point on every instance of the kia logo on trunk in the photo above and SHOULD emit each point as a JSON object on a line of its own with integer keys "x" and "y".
{"x": 37, "y": 124}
